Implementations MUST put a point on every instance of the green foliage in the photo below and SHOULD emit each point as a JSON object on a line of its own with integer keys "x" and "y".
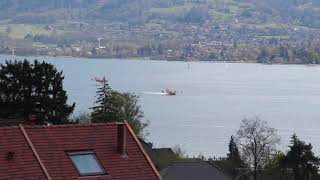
{"x": 234, "y": 154}
{"x": 288, "y": 54}
{"x": 179, "y": 152}
{"x": 33, "y": 92}
{"x": 299, "y": 163}
{"x": 264, "y": 55}
{"x": 145, "y": 51}
{"x": 113, "y": 106}
{"x": 273, "y": 170}
{"x": 164, "y": 156}
{"x": 305, "y": 12}
{"x": 197, "y": 15}
{"x": 103, "y": 109}
{"x": 234, "y": 159}
{"x": 275, "y": 160}
{"x": 21, "y": 30}
{"x": 127, "y": 108}
{"x": 310, "y": 56}
{"x": 300, "y": 160}
{"x": 233, "y": 163}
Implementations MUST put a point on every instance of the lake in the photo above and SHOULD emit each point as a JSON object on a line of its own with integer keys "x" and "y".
{"x": 212, "y": 98}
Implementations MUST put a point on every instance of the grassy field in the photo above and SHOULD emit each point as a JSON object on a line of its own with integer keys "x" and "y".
{"x": 19, "y": 31}
{"x": 219, "y": 15}
{"x": 215, "y": 12}
{"x": 272, "y": 25}
{"x": 174, "y": 10}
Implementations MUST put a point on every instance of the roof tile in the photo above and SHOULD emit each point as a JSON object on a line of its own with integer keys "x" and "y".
{"x": 53, "y": 142}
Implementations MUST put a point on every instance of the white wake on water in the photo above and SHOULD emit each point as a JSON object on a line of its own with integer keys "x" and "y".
{"x": 154, "y": 93}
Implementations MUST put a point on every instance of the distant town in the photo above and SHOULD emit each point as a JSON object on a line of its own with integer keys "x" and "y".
{"x": 173, "y": 31}
{"x": 174, "y": 42}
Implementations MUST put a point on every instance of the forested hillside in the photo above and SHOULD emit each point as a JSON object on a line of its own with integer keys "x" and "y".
{"x": 212, "y": 30}
{"x": 298, "y": 12}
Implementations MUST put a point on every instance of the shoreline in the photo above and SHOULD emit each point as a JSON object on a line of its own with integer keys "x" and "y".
{"x": 143, "y": 59}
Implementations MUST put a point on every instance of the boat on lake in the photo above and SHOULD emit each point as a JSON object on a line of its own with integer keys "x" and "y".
{"x": 169, "y": 92}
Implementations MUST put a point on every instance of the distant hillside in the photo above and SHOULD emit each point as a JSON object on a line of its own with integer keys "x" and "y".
{"x": 297, "y": 12}
{"x": 266, "y": 31}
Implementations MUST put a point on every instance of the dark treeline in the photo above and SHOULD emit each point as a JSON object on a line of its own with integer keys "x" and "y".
{"x": 290, "y": 55}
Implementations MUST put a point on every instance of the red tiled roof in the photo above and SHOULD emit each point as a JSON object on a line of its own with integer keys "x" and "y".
{"x": 52, "y": 143}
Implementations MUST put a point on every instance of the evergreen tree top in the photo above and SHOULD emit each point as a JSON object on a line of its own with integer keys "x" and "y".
{"x": 33, "y": 92}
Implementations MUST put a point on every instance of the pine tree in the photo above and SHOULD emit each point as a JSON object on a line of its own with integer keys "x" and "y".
{"x": 233, "y": 154}
{"x": 103, "y": 109}
{"x": 113, "y": 106}
{"x": 301, "y": 160}
{"x": 234, "y": 157}
{"x": 33, "y": 93}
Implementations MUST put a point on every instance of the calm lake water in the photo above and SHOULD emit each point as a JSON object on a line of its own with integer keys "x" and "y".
{"x": 215, "y": 97}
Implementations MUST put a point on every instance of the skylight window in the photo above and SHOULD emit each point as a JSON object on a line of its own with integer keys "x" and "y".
{"x": 86, "y": 163}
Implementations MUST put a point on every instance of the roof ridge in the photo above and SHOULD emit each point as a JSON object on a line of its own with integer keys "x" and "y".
{"x": 219, "y": 168}
{"x": 198, "y": 160}
{"x": 61, "y": 125}
{"x": 189, "y": 160}
{"x": 68, "y": 125}
{"x": 143, "y": 151}
{"x": 9, "y": 127}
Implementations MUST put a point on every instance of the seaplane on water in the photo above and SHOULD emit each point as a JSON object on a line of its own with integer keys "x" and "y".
{"x": 169, "y": 92}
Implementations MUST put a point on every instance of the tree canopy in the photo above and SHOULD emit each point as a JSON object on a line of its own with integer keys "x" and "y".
{"x": 257, "y": 141}
{"x": 234, "y": 158}
{"x": 113, "y": 106}
{"x": 103, "y": 109}
{"x": 33, "y": 92}
{"x": 301, "y": 160}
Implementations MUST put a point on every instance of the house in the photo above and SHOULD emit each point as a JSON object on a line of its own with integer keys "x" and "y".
{"x": 160, "y": 157}
{"x": 193, "y": 169}
{"x": 108, "y": 151}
